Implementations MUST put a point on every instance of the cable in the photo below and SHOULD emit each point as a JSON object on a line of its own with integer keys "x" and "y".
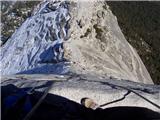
{"x": 154, "y": 104}
{"x": 28, "y": 116}
{"x": 128, "y": 92}
{"x": 111, "y": 84}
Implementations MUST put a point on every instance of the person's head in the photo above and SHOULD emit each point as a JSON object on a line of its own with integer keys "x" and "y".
{"x": 89, "y": 103}
{"x": 83, "y": 101}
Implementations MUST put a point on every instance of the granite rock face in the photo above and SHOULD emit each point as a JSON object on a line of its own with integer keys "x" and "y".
{"x": 86, "y": 33}
{"x": 83, "y": 45}
{"x": 97, "y": 45}
{"x": 37, "y": 45}
{"x": 141, "y": 31}
{"x": 101, "y": 90}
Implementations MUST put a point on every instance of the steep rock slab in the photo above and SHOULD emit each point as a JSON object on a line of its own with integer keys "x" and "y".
{"x": 97, "y": 45}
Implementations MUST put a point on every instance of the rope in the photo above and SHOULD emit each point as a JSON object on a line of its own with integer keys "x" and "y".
{"x": 29, "y": 115}
{"x": 128, "y": 92}
{"x": 154, "y": 104}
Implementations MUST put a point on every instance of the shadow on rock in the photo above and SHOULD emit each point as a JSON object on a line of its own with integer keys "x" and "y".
{"x": 58, "y": 68}
{"x": 18, "y": 102}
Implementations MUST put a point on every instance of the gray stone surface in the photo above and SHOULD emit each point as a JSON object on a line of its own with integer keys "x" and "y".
{"x": 95, "y": 43}
{"x": 101, "y": 90}
{"x": 100, "y": 64}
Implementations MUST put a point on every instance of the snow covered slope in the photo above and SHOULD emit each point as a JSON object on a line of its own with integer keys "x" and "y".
{"x": 95, "y": 43}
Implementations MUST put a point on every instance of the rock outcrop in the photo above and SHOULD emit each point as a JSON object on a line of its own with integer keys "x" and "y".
{"x": 75, "y": 87}
{"x": 100, "y": 44}
{"x": 83, "y": 45}
{"x": 95, "y": 43}
{"x": 37, "y": 46}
